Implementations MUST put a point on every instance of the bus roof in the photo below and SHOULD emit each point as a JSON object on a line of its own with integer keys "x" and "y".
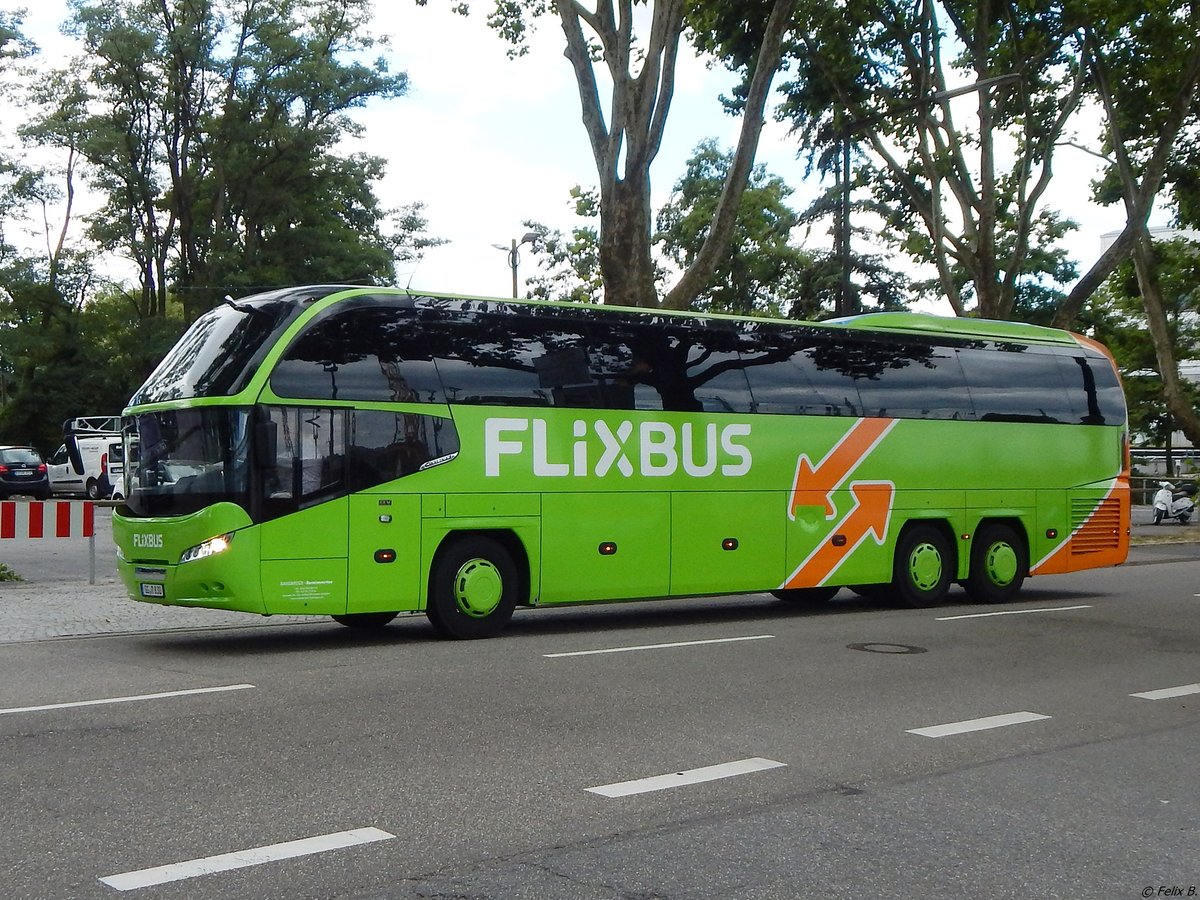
{"x": 925, "y": 323}
{"x": 891, "y": 322}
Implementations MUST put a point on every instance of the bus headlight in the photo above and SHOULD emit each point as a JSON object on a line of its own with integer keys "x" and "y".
{"x": 211, "y": 547}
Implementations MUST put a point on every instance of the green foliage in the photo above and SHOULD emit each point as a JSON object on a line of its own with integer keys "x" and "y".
{"x": 212, "y": 128}
{"x": 59, "y": 360}
{"x": 1119, "y": 320}
{"x": 570, "y": 263}
{"x": 763, "y": 272}
{"x": 761, "y": 268}
{"x": 876, "y": 74}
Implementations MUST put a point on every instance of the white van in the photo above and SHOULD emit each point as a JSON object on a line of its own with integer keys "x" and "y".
{"x": 91, "y": 471}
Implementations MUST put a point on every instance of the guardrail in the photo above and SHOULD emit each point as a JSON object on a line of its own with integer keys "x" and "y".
{"x": 43, "y": 519}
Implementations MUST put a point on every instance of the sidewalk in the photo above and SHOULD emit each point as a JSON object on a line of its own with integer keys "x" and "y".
{"x": 37, "y": 611}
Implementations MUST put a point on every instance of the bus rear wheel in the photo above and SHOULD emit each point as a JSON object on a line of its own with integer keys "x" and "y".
{"x": 923, "y": 567}
{"x": 473, "y": 589}
{"x": 999, "y": 564}
{"x": 812, "y": 595}
{"x": 365, "y": 620}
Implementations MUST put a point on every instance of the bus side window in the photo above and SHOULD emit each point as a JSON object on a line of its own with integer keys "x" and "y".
{"x": 1094, "y": 390}
{"x": 910, "y": 380}
{"x": 386, "y": 445}
{"x": 374, "y": 352}
{"x": 799, "y": 374}
{"x": 310, "y": 460}
{"x": 1014, "y": 383}
{"x": 704, "y": 372}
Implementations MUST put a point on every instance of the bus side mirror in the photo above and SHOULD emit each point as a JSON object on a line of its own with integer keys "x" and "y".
{"x": 266, "y": 444}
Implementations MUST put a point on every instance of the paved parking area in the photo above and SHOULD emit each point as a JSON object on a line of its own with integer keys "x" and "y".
{"x": 36, "y": 611}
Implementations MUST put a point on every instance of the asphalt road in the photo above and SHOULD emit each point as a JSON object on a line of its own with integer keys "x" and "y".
{"x": 832, "y": 742}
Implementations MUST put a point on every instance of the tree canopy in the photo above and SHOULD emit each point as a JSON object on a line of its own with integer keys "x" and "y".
{"x": 625, "y": 134}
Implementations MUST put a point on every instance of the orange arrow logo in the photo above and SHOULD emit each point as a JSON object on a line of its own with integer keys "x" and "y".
{"x": 870, "y": 515}
{"x": 814, "y": 486}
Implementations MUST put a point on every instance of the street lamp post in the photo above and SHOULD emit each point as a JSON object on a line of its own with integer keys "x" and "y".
{"x": 514, "y": 258}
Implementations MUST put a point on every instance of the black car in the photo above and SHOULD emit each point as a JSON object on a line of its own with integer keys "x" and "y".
{"x": 23, "y": 471}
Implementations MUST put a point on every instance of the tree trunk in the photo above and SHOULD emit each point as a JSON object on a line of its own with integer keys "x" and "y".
{"x": 716, "y": 243}
{"x": 1178, "y": 403}
{"x": 625, "y": 263}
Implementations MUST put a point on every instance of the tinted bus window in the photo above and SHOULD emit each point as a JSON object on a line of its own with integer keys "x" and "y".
{"x": 219, "y": 353}
{"x": 386, "y": 445}
{"x": 617, "y": 350}
{"x": 915, "y": 381}
{"x": 799, "y": 374}
{"x": 511, "y": 360}
{"x": 695, "y": 370}
{"x": 310, "y": 459}
{"x": 1094, "y": 390}
{"x": 1016, "y": 384}
{"x": 369, "y": 353}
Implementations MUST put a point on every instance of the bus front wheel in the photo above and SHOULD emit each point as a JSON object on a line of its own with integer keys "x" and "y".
{"x": 923, "y": 568}
{"x": 473, "y": 589}
{"x": 999, "y": 564}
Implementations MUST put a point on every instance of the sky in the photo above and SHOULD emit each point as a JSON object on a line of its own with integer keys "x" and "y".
{"x": 488, "y": 143}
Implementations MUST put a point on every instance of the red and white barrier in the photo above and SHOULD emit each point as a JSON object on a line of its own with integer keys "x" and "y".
{"x": 50, "y": 519}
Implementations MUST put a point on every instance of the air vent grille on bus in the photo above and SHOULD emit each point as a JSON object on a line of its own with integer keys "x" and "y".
{"x": 1099, "y": 533}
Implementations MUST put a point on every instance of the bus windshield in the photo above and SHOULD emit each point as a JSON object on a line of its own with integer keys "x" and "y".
{"x": 219, "y": 353}
{"x": 184, "y": 460}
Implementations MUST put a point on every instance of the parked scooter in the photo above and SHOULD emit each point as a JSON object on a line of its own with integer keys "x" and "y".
{"x": 1174, "y": 502}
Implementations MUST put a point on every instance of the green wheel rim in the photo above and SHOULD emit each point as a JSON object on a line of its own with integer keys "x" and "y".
{"x": 1000, "y": 563}
{"x": 478, "y": 588}
{"x": 925, "y": 566}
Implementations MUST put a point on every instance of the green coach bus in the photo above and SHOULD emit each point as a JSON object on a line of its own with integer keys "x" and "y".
{"x": 361, "y": 452}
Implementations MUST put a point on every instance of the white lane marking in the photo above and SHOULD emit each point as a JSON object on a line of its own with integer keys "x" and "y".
{"x": 240, "y": 859}
{"x": 1167, "y": 693}
{"x": 753, "y": 637}
{"x": 164, "y": 694}
{"x": 1009, "y": 612}
{"x": 690, "y": 776}
{"x": 938, "y": 731}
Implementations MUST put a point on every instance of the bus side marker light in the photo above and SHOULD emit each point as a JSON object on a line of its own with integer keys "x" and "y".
{"x": 385, "y": 556}
{"x": 608, "y": 548}
{"x": 839, "y": 540}
{"x": 965, "y": 537}
{"x": 1052, "y": 533}
{"x": 729, "y": 544}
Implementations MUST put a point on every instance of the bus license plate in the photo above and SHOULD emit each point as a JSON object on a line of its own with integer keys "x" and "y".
{"x": 152, "y": 590}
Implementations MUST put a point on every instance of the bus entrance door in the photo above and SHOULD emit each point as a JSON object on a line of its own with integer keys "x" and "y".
{"x": 304, "y": 561}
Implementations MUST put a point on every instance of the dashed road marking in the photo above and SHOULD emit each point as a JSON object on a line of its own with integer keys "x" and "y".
{"x": 1167, "y": 693}
{"x": 752, "y": 637}
{"x": 240, "y": 859}
{"x": 1009, "y": 612}
{"x": 940, "y": 731}
{"x": 689, "y": 776}
{"x": 133, "y": 699}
